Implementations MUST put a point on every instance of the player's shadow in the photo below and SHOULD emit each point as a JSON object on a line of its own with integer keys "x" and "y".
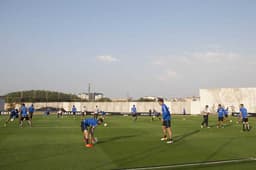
{"x": 116, "y": 138}
{"x": 179, "y": 138}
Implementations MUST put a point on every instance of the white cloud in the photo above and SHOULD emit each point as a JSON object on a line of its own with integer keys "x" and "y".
{"x": 171, "y": 73}
{"x": 158, "y": 62}
{"x": 107, "y": 58}
{"x": 214, "y": 57}
{"x": 168, "y": 74}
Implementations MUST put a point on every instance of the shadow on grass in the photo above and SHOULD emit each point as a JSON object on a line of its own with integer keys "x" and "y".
{"x": 116, "y": 138}
{"x": 179, "y": 138}
{"x": 140, "y": 155}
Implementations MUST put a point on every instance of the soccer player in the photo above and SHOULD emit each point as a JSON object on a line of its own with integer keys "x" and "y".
{"x": 14, "y": 114}
{"x": 24, "y": 115}
{"x": 155, "y": 114}
{"x": 206, "y": 113}
{"x": 88, "y": 126}
{"x": 226, "y": 115}
{"x": 103, "y": 114}
{"x": 47, "y": 112}
{"x": 244, "y": 115}
{"x": 31, "y": 111}
{"x": 166, "y": 122}
{"x": 59, "y": 113}
{"x": 220, "y": 112}
{"x": 134, "y": 113}
{"x": 74, "y": 110}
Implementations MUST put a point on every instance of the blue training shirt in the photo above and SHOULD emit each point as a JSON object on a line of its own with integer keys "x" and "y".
{"x": 134, "y": 110}
{"x": 90, "y": 122}
{"x": 31, "y": 109}
{"x": 24, "y": 111}
{"x": 74, "y": 109}
{"x": 165, "y": 112}
{"x": 226, "y": 111}
{"x": 13, "y": 113}
{"x": 244, "y": 112}
{"x": 221, "y": 112}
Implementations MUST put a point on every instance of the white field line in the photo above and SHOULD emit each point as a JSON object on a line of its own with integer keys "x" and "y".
{"x": 194, "y": 164}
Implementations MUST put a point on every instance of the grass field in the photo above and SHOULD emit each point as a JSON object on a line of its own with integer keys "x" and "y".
{"x": 57, "y": 144}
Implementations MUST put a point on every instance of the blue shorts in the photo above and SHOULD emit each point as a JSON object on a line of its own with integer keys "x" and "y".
{"x": 220, "y": 119}
{"x": 167, "y": 123}
{"x": 84, "y": 126}
{"x": 14, "y": 115}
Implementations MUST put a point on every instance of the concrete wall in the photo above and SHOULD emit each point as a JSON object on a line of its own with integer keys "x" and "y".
{"x": 176, "y": 107}
{"x": 230, "y": 97}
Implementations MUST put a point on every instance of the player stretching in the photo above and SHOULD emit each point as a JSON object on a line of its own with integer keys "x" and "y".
{"x": 88, "y": 126}
{"x": 244, "y": 115}
{"x": 134, "y": 113}
{"x": 14, "y": 114}
{"x": 220, "y": 112}
{"x": 166, "y": 120}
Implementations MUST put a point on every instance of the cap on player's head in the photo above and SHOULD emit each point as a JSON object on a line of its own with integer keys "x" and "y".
{"x": 160, "y": 100}
{"x": 219, "y": 105}
{"x": 241, "y": 105}
{"x": 206, "y": 106}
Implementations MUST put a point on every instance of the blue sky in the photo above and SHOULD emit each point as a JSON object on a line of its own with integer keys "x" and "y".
{"x": 127, "y": 47}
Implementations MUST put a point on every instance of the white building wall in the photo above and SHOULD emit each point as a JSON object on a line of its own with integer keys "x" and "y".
{"x": 229, "y": 97}
{"x": 175, "y": 107}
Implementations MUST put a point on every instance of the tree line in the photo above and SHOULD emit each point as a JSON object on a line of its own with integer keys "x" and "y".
{"x": 40, "y": 96}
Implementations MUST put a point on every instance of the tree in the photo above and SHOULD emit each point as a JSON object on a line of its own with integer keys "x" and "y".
{"x": 40, "y": 96}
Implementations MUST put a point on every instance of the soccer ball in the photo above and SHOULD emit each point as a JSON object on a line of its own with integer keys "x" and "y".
{"x": 12, "y": 119}
{"x": 105, "y": 124}
{"x": 230, "y": 121}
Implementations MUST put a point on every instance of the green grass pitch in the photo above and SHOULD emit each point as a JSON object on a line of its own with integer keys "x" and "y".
{"x": 57, "y": 144}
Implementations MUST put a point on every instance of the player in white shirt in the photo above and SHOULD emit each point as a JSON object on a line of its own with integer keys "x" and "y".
{"x": 205, "y": 113}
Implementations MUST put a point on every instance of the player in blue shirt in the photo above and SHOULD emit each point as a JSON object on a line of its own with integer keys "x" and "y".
{"x": 220, "y": 112}
{"x": 226, "y": 115}
{"x": 103, "y": 114}
{"x": 88, "y": 126}
{"x": 14, "y": 114}
{"x": 134, "y": 112}
{"x": 244, "y": 116}
{"x": 31, "y": 111}
{"x": 166, "y": 122}
{"x": 24, "y": 115}
{"x": 74, "y": 110}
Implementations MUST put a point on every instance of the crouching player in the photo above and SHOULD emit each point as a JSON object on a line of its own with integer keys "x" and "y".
{"x": 166, "y": 119}
{"x": 14, "y": 114}
{"x": 88, "y": 126}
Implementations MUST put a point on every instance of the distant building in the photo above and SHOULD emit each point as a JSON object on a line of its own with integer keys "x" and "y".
{"x": 91, "y": 96}
{"x": 120, "y": 100}
{"x": 149, "y": 98}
